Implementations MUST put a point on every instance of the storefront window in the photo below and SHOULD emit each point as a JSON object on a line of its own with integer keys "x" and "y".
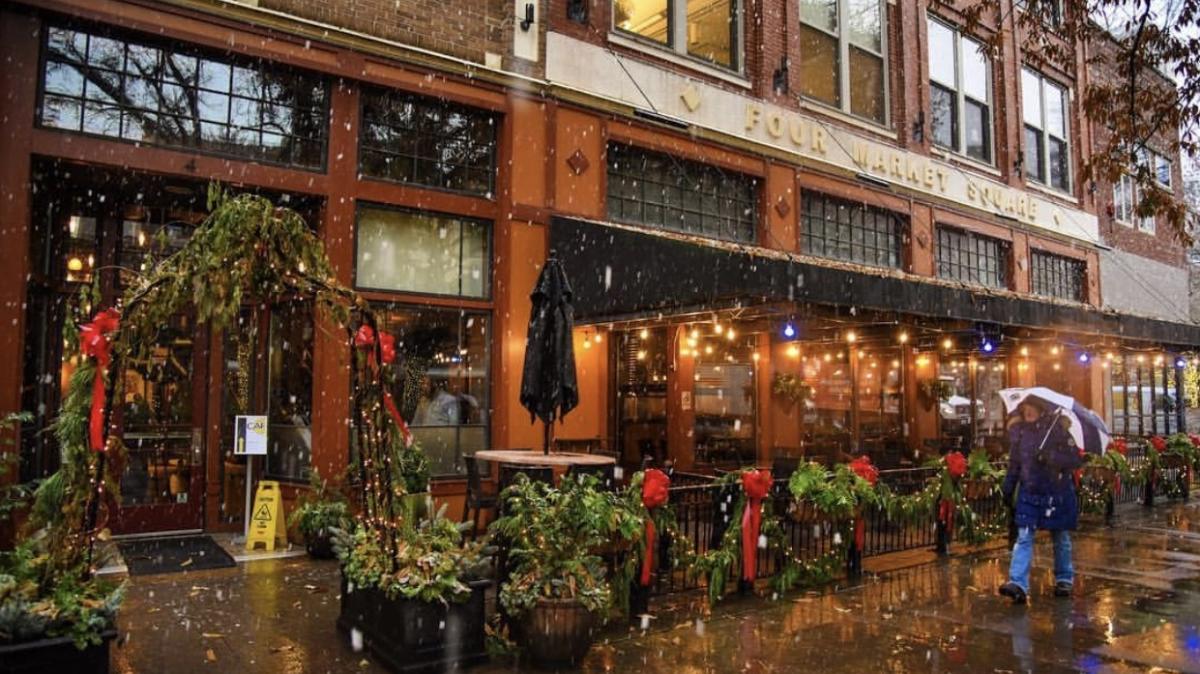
{"x": 140, "y": 91}
{"x": 725, "y": 398}
{"x": 879, "y": 402}
{"x": 642, "y": 388}
{"x": 422, "y": 252}
{"x": 290, "y": 382}
{"x": 954, "y": 411}
{"x": 443, "y": 383}
{"x": 659, "y": 190}
{"x": 826, "y": 419}
{"x": 427, "y": 141}
{"x": 843, "y": 65}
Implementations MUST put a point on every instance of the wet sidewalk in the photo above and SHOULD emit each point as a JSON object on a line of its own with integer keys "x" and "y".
{"x": 1136, "y": 608}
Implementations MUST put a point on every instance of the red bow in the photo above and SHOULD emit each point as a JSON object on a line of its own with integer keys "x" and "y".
{"x": 956, "y": 464}
{"x": 756, "y": 483}
{"x": 862, "y": 467}
{"x": 93, "y": 342}
{"x": 365, "y": 339}
{"x": 654, "y": 494}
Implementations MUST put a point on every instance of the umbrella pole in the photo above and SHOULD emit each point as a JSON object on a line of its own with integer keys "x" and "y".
{"x": 546, "y": 438}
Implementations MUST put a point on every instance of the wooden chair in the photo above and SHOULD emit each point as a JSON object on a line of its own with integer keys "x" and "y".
{"x": 477, "y": 499}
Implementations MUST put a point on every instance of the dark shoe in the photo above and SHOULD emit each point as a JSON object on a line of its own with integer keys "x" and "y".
{"x": 1014, "y": 592}
{"x": 1062, "y": 589}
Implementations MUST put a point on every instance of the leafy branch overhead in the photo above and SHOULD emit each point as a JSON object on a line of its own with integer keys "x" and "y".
{"x": 1140, "y": 87}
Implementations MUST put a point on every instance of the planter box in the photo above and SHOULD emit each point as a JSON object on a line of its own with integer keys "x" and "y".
{"x": 557, "y": 633}
{"x": 55, "y": 655}
{"x": 406, "y": 635}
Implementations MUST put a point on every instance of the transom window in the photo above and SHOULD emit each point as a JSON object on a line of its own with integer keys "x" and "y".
{"x": 1047, "y": 150}
{"x": 854, "y": 232}
{"x": 703, "y": 29}
{"x": 1056, "y": 276}
{"x": 660, "y": 190}
{"x": 422, "y": 252}
{"x": 960, "y": 93}
{"x": 972, "y": 258}
{"x": 138, "y": 90}
{"x": 842, "y": 47}
{"x": 426, "y": 141}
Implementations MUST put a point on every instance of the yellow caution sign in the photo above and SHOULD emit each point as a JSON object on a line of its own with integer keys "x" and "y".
{"x": 266, "y": 518}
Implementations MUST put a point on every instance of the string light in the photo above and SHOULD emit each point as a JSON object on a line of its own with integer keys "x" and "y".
{"x": 1024, "y": 351}
{"x": 644, "y": 334}
{"x": 902, "y": 337}
{"x": 851, "y": 336}
{"x": 947, "y": 344}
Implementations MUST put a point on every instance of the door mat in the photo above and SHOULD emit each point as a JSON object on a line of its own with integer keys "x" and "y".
{"x": 171, "y": 555}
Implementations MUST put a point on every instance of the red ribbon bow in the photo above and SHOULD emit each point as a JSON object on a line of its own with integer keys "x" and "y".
{"x": 654, "y": 494}
{"x": 93, "y": 342}
{"x": 946, "y": 515}
{"x": 756, "y": 483}
{"x": 364, "y": 339}
{"x": 956, "y": 464}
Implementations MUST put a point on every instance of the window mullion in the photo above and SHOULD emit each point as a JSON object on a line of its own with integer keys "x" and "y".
{"x": 960, "y": 144}
{"x": 843, "y": 56}
{"x": 678, "y": 26}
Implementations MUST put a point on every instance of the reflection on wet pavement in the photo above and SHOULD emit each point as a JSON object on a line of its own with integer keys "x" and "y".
{"x": 1136, "y": 608}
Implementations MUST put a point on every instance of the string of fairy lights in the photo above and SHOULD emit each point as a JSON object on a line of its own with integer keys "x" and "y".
{"x": 958, "y": 351}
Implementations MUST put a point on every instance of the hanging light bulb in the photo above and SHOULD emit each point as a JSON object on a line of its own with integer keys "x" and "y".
{"x": 644, "y": 334}
{"x": 1024, "y": 351}
{"x": 851, "y": 336}
{"x": 789, "y": 330}
{"x": 598, "y": 337}
{"x": 947, "y": 344}
{"x": 902, "y": 337}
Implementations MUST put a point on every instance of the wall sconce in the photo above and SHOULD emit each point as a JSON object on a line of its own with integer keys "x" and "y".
{"x": 527, "y": 21}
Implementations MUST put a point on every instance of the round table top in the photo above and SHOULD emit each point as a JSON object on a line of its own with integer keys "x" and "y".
{"x": 536, "y": 458}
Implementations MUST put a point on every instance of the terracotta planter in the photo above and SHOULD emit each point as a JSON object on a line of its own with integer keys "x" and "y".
{"x": 557, "y": 632}
{"x": 55, "y": 655}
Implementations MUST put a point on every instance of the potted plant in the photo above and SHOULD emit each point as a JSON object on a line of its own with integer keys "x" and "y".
{"x": 810, "y": 478}
{"x": 791, "y": 388}
{"x": 556, "y": 593}
{"x": 982, "y": 477}
{"x": 412, "y": 467}
{"x": 321, "y": 512}
{"x": 935, "y": 390}
{"x": 837, "y": 494}
{"x": 415, "y": 597}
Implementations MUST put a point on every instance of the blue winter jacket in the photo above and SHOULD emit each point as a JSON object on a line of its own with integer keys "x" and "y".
{"x": 1046, "y": 498}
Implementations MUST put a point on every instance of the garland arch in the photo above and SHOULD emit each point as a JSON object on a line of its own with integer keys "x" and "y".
{"x": 247, "y": 251}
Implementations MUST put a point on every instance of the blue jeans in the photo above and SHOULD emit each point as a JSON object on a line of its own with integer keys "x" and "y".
{"x": 1022, "y": 557}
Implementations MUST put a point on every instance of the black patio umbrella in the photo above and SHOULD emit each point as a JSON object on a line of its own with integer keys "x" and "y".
{"x": 549, "y": 389}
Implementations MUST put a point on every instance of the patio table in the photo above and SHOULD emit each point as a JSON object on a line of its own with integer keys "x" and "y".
{"x": 559, "y": 461}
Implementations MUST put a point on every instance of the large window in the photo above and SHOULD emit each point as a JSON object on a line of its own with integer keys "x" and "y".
{"x": 426, "y": 141}
{"x": 725, "y": 403}
{"x": 1056, "y": 276}
{"x": 854, "y": 232}
{"x": 1142, "y": 398}
{"x": 960, "y": 93}
{"x": 163, "y": 94}
{"x": 1047, "y": 151}
{"x": 972, "y": 258}
{"x": 703, "y": 29}
{"x": 842, "y": 50}
{"x": 656, "y": 189}
{"x": 420, "y": 252}
{"x": 1125, "y": 203}
{"x": 443, "y": 385}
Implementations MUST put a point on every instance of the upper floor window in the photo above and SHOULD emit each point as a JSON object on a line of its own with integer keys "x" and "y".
{"x": 1056, "y": 275}
{"x": 421, "y": 252}
{"x": 1053, "y": 9}
{"x": 427, "y": 141}
{"x": 656, "y": 189}
{"x": 1160, "y": 166}
{"x": 1047, "y": 150}
{"x": 703, "y": 29}
{"x": 972, "y": 258}
{"x": 960, "y": 93}
{"x": 842, "y": 50}
{"x": 1125, "y": 201}
{"x": 165, "y": 94}
{"x": 854, "y": 232}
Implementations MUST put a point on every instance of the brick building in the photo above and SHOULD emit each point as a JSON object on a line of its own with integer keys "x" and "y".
{"x": 811, "y": 228}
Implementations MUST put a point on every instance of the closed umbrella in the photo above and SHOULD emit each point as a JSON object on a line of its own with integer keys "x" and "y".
{"x": 1088, "y": 430}
{"x": 549, "y": 389}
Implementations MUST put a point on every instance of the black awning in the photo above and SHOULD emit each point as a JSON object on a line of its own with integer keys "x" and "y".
{"x": 619, "y": 272}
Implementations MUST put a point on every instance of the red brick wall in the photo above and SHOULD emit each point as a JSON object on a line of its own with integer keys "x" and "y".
{"x": 465, "y": 29}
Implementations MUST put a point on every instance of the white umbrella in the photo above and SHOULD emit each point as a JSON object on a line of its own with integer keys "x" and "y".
{"x": 1087, "y": 429}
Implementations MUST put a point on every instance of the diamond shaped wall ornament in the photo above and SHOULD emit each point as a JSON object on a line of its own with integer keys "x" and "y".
{"x": 782, "y": 207}
{"x": 690, "y": 97}
{"x": 578, "y": 162}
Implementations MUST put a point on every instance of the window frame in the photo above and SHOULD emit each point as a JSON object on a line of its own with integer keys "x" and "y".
{"x": 488, "y": 258}
{"x": 201, "y": 53}
{"x": 1131, "y": 219}
{"x": 1046, "y": 135}
{"x": 972, "y": 241}
{"x": 845, "y": 105}
{"x": 961, "y": 97}
{"x": 807, "y": 239}
{"x": 1040, "y": 256}
{"x": 677, "y": 27}
{"x": 689, "y": 166}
